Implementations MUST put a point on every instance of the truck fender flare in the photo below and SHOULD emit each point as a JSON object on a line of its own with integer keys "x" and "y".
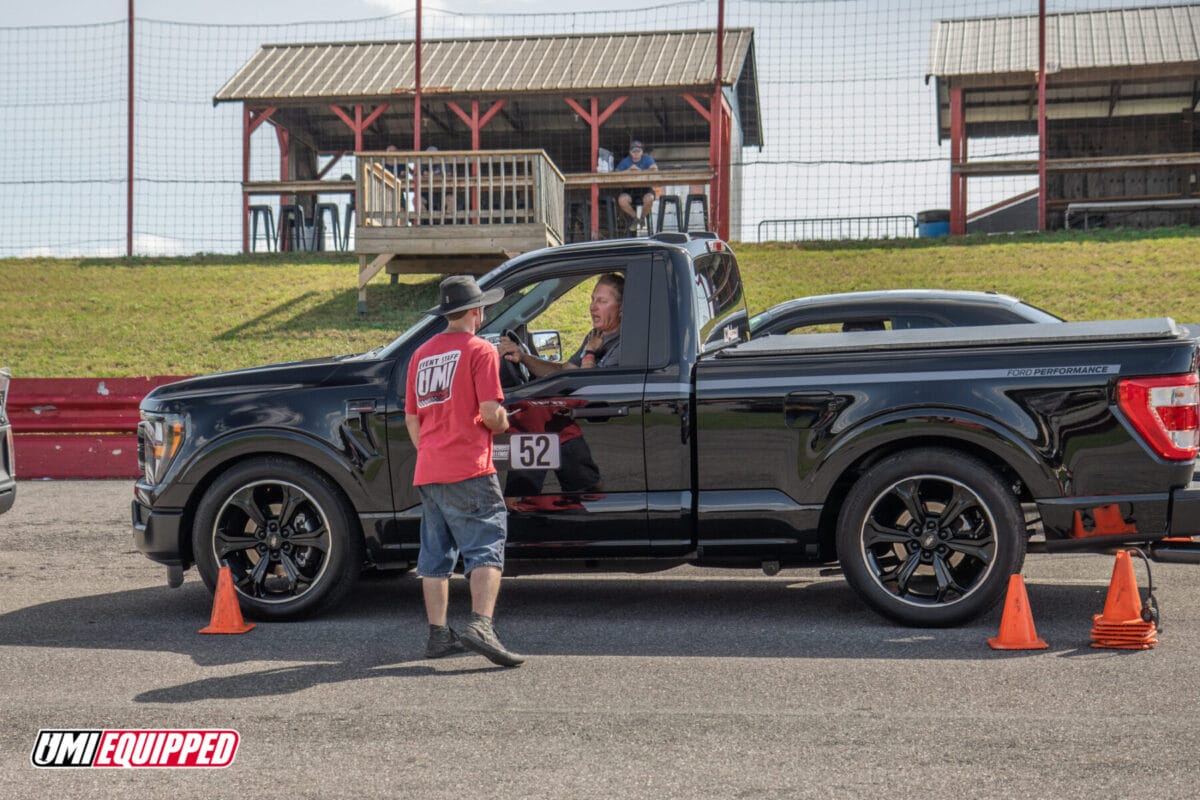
{"x": 225, "y": 451}
{"x": 934, "y": 427}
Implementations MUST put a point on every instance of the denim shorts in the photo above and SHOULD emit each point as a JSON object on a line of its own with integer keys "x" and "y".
{"x": 467, "y": 518}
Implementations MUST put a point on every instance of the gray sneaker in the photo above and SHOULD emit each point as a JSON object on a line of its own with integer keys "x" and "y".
{"x": 443, "y": 641}
{"x": 479, "y": 636}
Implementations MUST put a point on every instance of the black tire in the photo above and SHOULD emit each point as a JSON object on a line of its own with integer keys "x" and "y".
{"x": 286, "y": 533}
{"x": 929, "y": 537}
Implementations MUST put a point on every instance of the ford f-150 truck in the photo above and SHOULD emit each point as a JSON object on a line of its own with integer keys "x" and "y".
{"x": 922, "y": 462}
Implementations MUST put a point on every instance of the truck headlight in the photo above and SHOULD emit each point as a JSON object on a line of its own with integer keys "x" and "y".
{"x": 160, "y": 437}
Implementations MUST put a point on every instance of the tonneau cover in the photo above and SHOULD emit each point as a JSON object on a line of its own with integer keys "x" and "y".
{"x": 1033, "y": 333}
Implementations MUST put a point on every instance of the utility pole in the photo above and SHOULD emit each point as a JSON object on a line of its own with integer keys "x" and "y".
{"x": 129, "y": 148}
{"x": 1041, "y": 115}
{"x": 417, "y": 93}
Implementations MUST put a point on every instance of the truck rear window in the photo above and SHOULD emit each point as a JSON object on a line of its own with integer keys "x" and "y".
{"x": 720, "y": 300}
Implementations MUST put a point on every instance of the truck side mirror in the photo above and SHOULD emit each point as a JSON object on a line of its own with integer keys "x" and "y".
{"x": 548, "y": 345}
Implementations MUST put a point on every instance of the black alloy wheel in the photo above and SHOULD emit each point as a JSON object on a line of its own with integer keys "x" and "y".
{"x": 285, "y": 533}
{"x": 930, "y": 537}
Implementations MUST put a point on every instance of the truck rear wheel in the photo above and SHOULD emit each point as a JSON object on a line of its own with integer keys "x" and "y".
{"x": 286, "y": 534}
{"x": 929, "y": 537}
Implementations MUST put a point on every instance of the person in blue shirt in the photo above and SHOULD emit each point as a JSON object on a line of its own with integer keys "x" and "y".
{"x": 637, "y": 159}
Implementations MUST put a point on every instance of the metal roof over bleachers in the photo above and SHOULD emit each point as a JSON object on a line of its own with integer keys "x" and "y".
{"x": 314, "y": 75}
{"x": 1134, "y": 62}
{"x": 1086, "y": 40}
{"x": 610, "y": 61}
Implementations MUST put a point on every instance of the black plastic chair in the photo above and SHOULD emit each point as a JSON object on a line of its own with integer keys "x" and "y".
{"x": 291, "y": 227}
{"x": 671, "y": 200}
{"x": 608, "y": 216}
{"x": 332, "y": 210}
{"x": 264, "y": 213}
{"x": 579, "y": 219}
{"x": 347, "y": 225}
{"x": 692, "y": 199}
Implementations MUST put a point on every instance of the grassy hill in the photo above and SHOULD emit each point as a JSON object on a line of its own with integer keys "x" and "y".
{"x": 114, "y": 318}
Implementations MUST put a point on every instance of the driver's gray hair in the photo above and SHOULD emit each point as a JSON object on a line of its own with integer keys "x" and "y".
{"x": 616, "y": 281}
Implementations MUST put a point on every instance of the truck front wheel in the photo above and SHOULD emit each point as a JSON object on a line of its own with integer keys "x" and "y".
{"x": 284, "y": 530}
{"x": 929, "y": 537}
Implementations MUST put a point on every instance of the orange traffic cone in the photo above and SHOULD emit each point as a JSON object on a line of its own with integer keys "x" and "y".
{"x": 226, "y": 613}
{"x": 1016, "y": 624}
{"x": 1121, "y": 626}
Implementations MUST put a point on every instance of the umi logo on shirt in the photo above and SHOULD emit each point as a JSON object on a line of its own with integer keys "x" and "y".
{"x": 435, "y": 375}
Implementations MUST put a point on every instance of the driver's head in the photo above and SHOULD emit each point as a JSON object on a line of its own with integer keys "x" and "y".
{"x": 606, "y": 302}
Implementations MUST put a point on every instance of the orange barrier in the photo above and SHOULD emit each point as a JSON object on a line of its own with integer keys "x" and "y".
{"x": 77, "y": 427}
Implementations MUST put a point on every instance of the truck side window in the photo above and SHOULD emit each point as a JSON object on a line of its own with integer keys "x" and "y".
{"x": 559, "y": 308}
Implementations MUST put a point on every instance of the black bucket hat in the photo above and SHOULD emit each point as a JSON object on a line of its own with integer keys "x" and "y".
{"x": 460, "y": 293}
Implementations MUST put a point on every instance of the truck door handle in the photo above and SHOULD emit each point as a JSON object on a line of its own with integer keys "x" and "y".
{"x": 600, "y": 412}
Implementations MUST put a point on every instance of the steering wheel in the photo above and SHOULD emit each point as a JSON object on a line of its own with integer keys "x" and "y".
{"x": 514, "y": 374}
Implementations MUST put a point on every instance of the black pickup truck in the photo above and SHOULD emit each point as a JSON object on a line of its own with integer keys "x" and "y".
{"x": 922, "y": 462}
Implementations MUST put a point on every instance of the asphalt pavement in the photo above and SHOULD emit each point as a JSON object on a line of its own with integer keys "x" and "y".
{"x": 684, "y": 684}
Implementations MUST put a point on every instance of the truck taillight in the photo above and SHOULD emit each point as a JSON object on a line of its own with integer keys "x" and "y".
{"x": 1165, "y": 411}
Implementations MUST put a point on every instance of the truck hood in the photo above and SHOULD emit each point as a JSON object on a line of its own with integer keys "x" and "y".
{"x": 255, "y": 380}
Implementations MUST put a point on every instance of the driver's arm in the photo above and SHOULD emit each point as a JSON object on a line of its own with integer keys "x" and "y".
{"x": 537, "y": 367}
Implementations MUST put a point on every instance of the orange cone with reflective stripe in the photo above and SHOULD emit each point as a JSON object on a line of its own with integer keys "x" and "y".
{"x": 226, "y": 613}
{"x": 1016, "y": 624}
{"x": 1121, "y": 626}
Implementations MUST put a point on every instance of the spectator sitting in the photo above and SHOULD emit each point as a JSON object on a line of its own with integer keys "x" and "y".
{"x": 637, "y": 159}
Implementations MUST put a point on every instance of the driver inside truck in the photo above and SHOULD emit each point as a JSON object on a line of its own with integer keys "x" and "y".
{"x": 602, "y": 345}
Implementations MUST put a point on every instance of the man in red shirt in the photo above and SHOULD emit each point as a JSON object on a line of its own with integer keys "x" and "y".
{"x": 452, "y": 408}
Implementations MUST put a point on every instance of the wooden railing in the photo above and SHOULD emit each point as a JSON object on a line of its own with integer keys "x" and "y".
{"x": 492, "y": 187}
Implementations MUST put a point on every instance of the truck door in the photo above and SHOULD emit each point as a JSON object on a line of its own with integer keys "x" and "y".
{"x": 572, "y": 465}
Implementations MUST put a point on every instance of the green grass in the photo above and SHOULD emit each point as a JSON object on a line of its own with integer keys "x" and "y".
{"x": 123, "y": 317}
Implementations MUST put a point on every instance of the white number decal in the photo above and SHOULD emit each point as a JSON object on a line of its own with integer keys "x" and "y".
{"x": 534, "y": 451}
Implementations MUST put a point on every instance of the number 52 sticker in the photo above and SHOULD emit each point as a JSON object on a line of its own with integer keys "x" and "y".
{"x": 534, "y": 451}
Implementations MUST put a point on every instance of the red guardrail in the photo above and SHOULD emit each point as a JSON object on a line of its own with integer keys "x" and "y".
{"x": 77, "y": 427}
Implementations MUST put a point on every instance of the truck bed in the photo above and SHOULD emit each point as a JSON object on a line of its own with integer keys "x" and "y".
{"x": 1160, "y": 328}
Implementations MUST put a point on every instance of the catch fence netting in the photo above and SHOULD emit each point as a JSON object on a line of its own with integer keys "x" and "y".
{"x": 854, "y": 138}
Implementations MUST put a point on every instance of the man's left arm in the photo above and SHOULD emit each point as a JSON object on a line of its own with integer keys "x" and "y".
{"x": 411, "y": 421}
{"x": 494, "y": 416}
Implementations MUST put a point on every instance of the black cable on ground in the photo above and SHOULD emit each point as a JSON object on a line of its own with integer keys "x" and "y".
{"x": 1150, "y": 610}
